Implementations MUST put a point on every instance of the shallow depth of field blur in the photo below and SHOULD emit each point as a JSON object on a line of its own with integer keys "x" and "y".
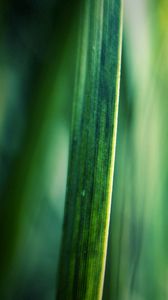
{"x": 38, "y": 42}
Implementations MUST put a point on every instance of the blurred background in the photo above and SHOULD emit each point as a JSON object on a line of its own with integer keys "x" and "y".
{"x": 38, "y": 42}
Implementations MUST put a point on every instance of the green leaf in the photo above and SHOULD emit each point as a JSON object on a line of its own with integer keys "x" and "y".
{"x": 92, "y": 152}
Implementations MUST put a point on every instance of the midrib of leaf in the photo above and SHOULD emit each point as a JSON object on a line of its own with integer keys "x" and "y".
{"x": 92, "y": 152}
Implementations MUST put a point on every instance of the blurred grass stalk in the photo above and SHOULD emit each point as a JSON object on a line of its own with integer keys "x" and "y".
{"x": 92, "y": 151}
{"x": 137, "y": 254}
{"x": 27, "y": 185}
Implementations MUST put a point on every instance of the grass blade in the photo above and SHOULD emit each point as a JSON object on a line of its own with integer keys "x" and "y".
{"x": 92, "y": 152}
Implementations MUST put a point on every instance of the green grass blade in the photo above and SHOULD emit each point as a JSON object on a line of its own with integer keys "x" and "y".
{"x": 92, "y": 152}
